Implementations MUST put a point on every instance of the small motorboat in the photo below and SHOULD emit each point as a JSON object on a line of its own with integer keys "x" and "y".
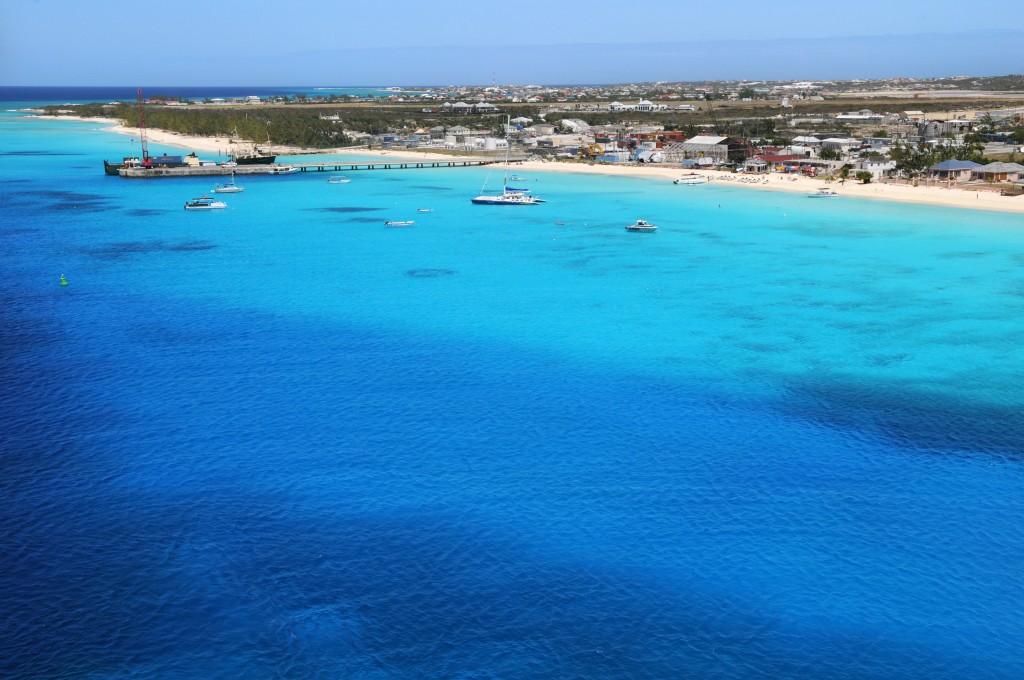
{"x": 691, "y": 179}
{"x": 641, "y": 225}
{"x": 204, "y": 203}
{"x": 424, "y": 210}
{"x": 399, "y": 223}
{"x": 338, "y": 179}
{"x": 822, "y": 193}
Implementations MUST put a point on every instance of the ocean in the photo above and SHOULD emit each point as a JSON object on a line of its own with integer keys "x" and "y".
{"x": 779, "y": 438}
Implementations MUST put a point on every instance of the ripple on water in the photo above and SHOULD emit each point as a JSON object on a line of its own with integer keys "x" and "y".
{"x": 429, "y": 273}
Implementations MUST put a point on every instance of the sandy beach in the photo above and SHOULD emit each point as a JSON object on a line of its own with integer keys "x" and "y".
{"x": 932, "y": 195}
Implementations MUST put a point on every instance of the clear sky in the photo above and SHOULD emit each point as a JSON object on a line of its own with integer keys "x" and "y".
{"x": 341, "y": 42}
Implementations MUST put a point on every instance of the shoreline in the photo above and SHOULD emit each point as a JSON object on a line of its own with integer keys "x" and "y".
{"x": 927, "y": 195}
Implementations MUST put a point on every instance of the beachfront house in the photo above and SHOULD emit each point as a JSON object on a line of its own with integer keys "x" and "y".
{"x": 999, "y": 172}
{"x": 877, "y": 168}
{"x": 756, "y": 165}
{"x": 953, "y": 170}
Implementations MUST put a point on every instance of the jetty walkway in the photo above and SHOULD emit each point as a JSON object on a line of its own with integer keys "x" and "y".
{"x": 293, "y": 168}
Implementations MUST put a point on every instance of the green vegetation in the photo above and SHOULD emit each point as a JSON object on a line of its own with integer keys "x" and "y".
{"x": 296, "y": 126}
{"x": 913, "y": 159}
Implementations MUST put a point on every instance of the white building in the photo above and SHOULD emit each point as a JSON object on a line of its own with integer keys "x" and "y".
{"x": 876, "y": 168}
{"x": 575, "y": 125}
{"x": 642, "y": 105}
{"x": 862, "y": 117}
{"x": 840, "y": 144}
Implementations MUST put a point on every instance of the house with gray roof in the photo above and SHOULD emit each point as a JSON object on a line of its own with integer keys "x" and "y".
{"x": 999, "y": 172}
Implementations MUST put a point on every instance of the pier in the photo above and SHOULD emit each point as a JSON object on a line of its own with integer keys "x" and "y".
{"x": 292, "y": 168}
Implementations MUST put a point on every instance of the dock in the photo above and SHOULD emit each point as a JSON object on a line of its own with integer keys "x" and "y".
{"x": 292, "y": 168}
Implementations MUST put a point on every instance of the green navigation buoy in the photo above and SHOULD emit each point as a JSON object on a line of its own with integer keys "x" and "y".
{"x": 63, "y": 281}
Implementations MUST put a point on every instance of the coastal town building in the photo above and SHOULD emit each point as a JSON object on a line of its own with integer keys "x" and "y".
{"x": 953, "y": 170}
{"x": 719, "y": 149}
{"x": 839, "y": 144}
{"x": 999, "y": 172}
{"x": 877, "y": 168}
{"x": 642, "y": 106}
{"x": 862, "y": 117}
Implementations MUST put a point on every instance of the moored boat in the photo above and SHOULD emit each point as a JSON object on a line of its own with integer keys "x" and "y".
{"x": 204, "y": 203}
{"x": 338, "y": 179}
{"x": 509, "y": 195}
{"x": 399, "y": 223}
{"x": 822, "y": 193}
{"x": 126, "y": 162}
{"x": 691, "y": 179}
{"x": 229, "y": 188}
{"x": 257, "y": 157}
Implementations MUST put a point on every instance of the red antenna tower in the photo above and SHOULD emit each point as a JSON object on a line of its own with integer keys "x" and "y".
{"x": 142, "y": 128}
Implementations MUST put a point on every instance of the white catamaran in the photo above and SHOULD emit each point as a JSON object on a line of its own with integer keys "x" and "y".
{"x": 509, "y": 195}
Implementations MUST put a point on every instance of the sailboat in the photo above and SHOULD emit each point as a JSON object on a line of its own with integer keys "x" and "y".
{"x": 229, "y": 188}
{"x": 509, "y": 195}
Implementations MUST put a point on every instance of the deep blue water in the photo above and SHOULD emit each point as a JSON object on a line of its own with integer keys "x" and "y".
{"x": 779, "y": 438}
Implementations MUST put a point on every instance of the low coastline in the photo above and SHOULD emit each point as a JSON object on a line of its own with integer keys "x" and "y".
{"x": 929, "y": 195}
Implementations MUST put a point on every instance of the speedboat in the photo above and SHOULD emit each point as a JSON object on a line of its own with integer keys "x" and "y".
{"x": 822, "y": 193}
{"x": 425, "y": 210}
{"x": 338, "y": 179}
{"x": 399, "y": 223}
{"x": 282, "y": 169}
{"x": 204, "y": 203}
{"x": 641, "y": 225}
{"x": 691, "y": 179}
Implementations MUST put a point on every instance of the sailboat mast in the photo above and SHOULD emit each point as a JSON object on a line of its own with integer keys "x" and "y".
{"x": 504, "y": 181}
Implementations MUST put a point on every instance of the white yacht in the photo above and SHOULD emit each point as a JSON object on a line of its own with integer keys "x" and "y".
{"x": 205, "y": 203}
{"x": 641, "y": 225}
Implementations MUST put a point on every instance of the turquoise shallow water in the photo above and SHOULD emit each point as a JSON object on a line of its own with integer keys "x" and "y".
{"x": 777, "y": 438}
